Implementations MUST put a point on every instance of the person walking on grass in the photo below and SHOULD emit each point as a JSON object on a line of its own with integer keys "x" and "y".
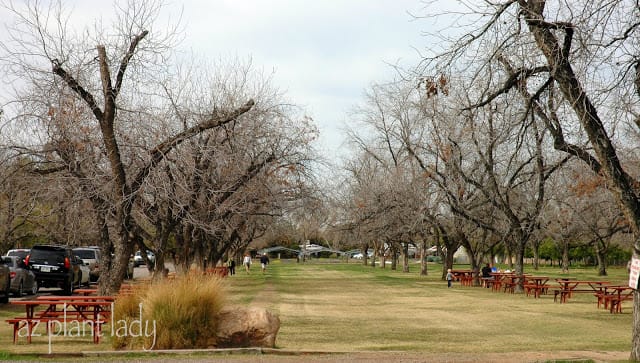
{"x": 231, "y": 265}
{"x": 247, "y": 262}
{"x": 449, "y": 277}
{"x": 264, "y": 261}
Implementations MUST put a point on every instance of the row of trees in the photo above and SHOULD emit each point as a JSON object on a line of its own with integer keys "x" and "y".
{"x": 429, "y": 172}
{"x": 112, "y": 138}
{"x": 516, "y": 131}
{"x": 522, "y": 125}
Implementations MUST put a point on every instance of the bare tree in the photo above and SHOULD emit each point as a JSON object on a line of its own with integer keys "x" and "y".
{"x": 569, "y": 60}
{"x": 106, "y": 77}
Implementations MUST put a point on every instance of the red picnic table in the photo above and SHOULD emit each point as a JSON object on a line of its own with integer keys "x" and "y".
{"x": 464, "y": 276}
{"x": 510, "y": 281}
{"x": 536, "y": 285}
{"x": 93, "y": 310}
{"x": 569, "y": 287}
{"x": 613, "y": 296}
{"x": 499, "y": 279}
{"x": 85, "y": 291}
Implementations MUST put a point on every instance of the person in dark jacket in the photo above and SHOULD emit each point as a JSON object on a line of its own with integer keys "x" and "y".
{"x": 264, "y": 261}
{"x": 231, "y": 265}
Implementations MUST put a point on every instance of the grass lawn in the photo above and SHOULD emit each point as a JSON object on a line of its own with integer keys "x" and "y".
{"x": 347, "y": 307}
{"x": 351, "y": 307}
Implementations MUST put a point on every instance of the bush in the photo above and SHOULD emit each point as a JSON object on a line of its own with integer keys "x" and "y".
{"x": 436, "y": 259}
{"x": 125, "y": 310}
{"x": 183, "y": 313}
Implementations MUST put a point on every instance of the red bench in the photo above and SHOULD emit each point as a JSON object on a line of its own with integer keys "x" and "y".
{"x": 221, "y": 271}
{"x": 31, "y": 324}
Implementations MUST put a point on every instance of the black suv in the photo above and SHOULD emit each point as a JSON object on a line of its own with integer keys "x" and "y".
{"x": 55, "y": 266}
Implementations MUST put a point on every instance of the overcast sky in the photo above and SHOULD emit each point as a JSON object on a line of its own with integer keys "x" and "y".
{"x": 323, "y": 53}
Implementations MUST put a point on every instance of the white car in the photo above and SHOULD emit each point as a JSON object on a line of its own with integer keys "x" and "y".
{"x": 85, "y": 273}
{"x": 359, "y": 255}
{"x": 138, "y": 260}
{"x": 91, "y": 258}
{"x": 19, "y": 252}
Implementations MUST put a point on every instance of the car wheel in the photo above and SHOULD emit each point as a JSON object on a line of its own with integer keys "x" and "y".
{"x": 68, "y": 286}
{"x": 34, "y": 288}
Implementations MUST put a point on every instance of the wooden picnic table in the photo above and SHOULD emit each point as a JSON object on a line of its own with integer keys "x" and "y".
{"x": 95, "y": 304}
{"x": 487, "y": 281}
{"x": 510, "y": 281}
{"x": 85, "y": 291}
{"x": 221, "y": 271}
{"x": 464, "y": 276}
{"x": 613, "y": 296}
{"x": 92, "y": 309}
{"x": 77, "y": 298}
{"x": 499, "y": 279}
{"x": 568, "y": 287}
{"x": 536, "y": 284}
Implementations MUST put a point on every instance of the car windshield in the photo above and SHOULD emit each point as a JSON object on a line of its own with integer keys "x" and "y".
{"x": 87, "y": 254}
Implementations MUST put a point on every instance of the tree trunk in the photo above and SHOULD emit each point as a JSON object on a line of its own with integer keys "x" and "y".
{"x": 635, "y": 337}
{"x": 536, "y": 256}
{"x": 423, "y": 258}
{"x": 375, "y": 254}
{"x": 405, "y": 257}
{"x": 159, "y": 271}
{"x": 565, "y": 257}
{"x": 365, "y": 254}
{"x": 520, "y": 248}
{"x": 601, "y": 257}
{"x": 602, "y": 262}
{"x": 508, "y": 253}
{"x": 448, "y": 262}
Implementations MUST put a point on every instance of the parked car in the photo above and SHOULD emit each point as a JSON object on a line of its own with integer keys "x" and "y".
{"x": 360, "y": 256}
{"x": 22, "y": 279}
{"x": 138, "y": 260}
{"x": 19, "y": 252}
{"x": 5, "y": 283}
{"x": 91, "y": 258}
{"x": 85, "y": 272}
{"x": 55, "y": 266}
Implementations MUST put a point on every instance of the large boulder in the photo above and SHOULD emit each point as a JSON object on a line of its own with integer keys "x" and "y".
{"x": 247, "y": 327}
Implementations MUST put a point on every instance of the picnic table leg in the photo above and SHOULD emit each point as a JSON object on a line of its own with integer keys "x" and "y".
{"x": 16, "y": 328}
{"x": 97, "y": 330}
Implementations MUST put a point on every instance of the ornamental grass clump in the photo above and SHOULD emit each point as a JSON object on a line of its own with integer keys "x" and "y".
{"x": 185, "y": 311}
{"x": 126, "y": 310}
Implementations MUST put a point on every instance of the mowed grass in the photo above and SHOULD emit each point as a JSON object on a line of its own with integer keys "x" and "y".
{"x": 351, "y": 307}
{"x": 331, "y": 306}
